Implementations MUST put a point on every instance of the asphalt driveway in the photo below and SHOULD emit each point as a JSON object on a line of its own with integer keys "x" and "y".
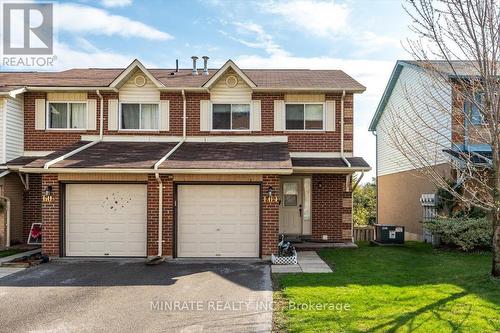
{"x": 128, "y": 296}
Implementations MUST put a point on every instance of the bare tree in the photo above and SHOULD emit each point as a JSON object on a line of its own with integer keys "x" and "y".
{"x": 457, "y": 45}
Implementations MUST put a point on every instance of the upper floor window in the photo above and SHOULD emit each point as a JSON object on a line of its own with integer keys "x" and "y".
{"x": 473, "y": 112}
{"x": 231, "y": 116}
{"x": 67, "y": 115}
{"x": 139, "y": 116}
{"x": 304, "y": 116}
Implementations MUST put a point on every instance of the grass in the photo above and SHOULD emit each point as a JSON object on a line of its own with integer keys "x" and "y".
{"x": 10, "y": 252}
{"x": 414, "y": 288}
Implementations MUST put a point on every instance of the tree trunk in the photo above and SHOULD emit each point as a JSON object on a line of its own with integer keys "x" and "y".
{"x": 495, "y": 269}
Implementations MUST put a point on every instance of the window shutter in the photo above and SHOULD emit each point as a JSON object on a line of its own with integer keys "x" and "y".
{"x": 164, "y": 115}
{"x": 279, "y": 115}
{"x": 330, "y": 116}
{"x": 205, "y": 116}
{"x": 113, "y": 114}
{"x": 256, "y": 125}
{"x": 40, "y": 114}
{"x": 91, "y": 114}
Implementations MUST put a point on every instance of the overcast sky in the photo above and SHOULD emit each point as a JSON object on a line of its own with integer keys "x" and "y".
{"x": 362, "y": 38}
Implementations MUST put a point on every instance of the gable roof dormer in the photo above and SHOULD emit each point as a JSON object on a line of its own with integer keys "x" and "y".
{"x": 128, "y": 72}
{"x": 229, "y": 65}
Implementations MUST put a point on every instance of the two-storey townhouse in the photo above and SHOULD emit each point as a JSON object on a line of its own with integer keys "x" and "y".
{"x": 183, "y": 162}
{"x": 430, "y": 113}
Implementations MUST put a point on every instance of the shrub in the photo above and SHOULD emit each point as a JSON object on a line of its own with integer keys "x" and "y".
{"x": 466, "y": 233}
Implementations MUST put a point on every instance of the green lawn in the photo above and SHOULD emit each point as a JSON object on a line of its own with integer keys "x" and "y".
{"x": 10, "y": 252}
{"x": 394, "y": 289}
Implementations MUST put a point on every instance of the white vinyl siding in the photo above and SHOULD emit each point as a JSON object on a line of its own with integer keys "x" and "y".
{"x": 401, "y": 114}
{"x": 14, "y": 128}
{"x": 222, "y": 94}
{"x": 92, "y": 114}
{"x": 131, "y": 93}
{"x": 279, "y": 115}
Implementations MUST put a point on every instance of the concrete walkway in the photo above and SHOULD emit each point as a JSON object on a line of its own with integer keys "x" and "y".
{"x": 308, "y": 262}
{"x": 5, "y": 271}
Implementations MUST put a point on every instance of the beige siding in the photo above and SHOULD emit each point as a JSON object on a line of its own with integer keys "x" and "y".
{"x": 217, "y": 178}
{"x": 148, "y": 93}
{"x": 14, "y": 127}
{"x": 40, "y": 114}
{"x": 66, "y": 96}
{"x": 304, "y": 98}
{"x": 205, "y": 116}
{"x": 413, "y": 120}
{"x": 221, "y": 93}
{"x": 102, "y": 177}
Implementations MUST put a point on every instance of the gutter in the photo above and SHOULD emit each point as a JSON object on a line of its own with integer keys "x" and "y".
{"x": 7, "y": 215}
{"x": 160, "y": 182}
{"x": 342, "y": 131}
{"x": 88, "y": 145}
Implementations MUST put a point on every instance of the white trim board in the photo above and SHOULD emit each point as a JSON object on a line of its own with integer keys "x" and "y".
{"x": 214, "y": 138}
{"x": 319, "y": 154}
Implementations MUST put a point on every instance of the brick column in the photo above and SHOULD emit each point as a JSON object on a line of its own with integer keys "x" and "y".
{"x": 50, "y": 217}
{"x": 152, "y": 224}
{"x": 270, "y": 216}
{"x": 331, "y": 208}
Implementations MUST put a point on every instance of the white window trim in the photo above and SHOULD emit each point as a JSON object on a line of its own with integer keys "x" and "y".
{"x": 305, "y": 129}
{"x": 48, "y": 123}
{"x": 250, "y": 122}
{"x": 120, "y": 129}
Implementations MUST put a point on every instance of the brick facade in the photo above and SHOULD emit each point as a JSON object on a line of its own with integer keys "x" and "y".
{"x": 32, "y": 204}
{"x": 270, "y": 216}
{"x": 43, "y": 140}
{"x": 168, "y": 214}
{"x": 331, "y": 208}
{"x": 50, "y": 217}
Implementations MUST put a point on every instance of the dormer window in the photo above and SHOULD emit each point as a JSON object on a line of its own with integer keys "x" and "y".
{"x": 67, "y": 115}
{"x": 234, "y": 117}
{"x": 139, "y": 116}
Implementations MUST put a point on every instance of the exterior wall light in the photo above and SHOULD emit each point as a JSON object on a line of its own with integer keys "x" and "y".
{"x": 271, "y": 197}
{"x": 48, "y": 195}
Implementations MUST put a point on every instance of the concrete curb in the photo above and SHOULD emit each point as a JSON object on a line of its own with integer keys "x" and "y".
{"x": 19, "y": 255}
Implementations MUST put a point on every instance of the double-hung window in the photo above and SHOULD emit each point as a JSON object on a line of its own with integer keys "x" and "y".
{"x": 231, "y": 117}
{"x": 67, "y": 115}
{"x": 139, "y": 116}
{"x": 307, "y": 116}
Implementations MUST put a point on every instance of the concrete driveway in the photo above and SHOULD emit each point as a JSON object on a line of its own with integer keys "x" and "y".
{"x": 128, "y": 296}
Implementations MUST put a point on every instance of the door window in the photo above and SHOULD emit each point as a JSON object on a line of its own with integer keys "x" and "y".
{"x": 290, "y": 194}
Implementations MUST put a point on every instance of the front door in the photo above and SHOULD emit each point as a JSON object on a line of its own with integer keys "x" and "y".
{"x": 291, "y": 206}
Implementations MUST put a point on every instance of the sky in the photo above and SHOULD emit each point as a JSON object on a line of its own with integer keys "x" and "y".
{"x": 361, "y": 37}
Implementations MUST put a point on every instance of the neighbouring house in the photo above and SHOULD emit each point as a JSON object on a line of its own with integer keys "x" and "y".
{"x": 426, "y": 113}
{"x": 178, "y": 162}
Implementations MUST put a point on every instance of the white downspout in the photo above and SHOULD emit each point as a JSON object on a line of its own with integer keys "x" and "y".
{"x": 7, "y": 213}
{"x": 88, "y": 145}
{"x": 158, "y": 178}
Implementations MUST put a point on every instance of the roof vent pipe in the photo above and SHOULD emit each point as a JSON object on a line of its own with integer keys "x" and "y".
{"x": 205, "y": 65}
{"x": 177, "y": 65}
{"x": 195, "y": 71}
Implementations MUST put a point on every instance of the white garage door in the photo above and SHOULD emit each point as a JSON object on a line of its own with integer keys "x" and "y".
{"x": 106, "y": 220}
{"x": 218, "y": 221}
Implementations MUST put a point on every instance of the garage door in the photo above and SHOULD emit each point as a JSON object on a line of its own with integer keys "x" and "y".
{"x": 106, "y": 220}
{"x": 218, "y": 221}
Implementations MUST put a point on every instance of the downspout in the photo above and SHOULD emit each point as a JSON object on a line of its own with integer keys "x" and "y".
{"x": 88, "y": 145}
{"x": 101, "y": 115}
{"x": 7, "y": 214}
{"x": 160, "y": 182}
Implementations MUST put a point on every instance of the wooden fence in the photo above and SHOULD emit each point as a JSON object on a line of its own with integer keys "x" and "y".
{"x": 364, "y": 233}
